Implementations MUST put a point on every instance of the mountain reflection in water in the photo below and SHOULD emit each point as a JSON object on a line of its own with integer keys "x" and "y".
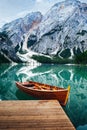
{"x": 59, "y": 75}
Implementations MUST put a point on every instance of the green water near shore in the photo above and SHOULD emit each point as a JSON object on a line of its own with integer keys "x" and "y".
{"x": 59, "y": 75}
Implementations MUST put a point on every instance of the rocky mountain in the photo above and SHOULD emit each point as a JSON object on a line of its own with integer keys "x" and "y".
{"x": 7, "y": 52}
{"x": 17, "y": 28}
{"x": 16, "y": 31}
{"x": 61, "y": 32}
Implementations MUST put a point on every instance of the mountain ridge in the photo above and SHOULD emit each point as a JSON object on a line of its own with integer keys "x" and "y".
{"x": 70, "y": 25}
{"x": 62, "y": 31}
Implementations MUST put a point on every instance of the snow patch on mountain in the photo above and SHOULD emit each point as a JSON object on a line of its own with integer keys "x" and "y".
{"x": 63, "y": 30}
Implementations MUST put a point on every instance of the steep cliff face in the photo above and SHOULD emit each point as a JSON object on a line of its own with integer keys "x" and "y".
{"x": 7, "y": 52}
{"x": 16, "y": 31}
{"x": 63, "y": 30}
{"x": 17, "y": 28}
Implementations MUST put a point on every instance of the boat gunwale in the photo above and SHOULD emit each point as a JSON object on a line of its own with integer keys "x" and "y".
{"x": 44, "y": 90}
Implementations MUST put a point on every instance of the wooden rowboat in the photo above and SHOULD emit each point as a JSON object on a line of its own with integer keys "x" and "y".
{"x": 45, "y": 91}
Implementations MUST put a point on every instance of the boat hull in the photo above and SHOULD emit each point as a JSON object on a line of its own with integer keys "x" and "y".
{"x": 61, "y": 95}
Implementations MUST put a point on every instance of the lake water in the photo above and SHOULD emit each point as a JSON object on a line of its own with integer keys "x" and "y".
{"x": 59, "y": 75}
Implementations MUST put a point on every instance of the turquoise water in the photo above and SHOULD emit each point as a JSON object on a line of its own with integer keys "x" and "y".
{"x": 59, "y": 75}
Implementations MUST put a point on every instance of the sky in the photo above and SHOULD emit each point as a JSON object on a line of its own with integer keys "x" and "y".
{"x": 13, "y": 9}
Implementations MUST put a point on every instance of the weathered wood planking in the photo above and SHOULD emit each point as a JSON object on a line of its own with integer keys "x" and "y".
{"x": 33, "y": 115}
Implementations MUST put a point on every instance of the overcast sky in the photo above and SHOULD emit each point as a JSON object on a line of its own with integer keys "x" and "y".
{"x": 12, "y": 9}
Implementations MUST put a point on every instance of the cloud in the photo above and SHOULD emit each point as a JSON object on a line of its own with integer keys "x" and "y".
{"x": 39, "y": 1}
{"x": 84, "y": 1}
{"x": 22, "y": 14}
